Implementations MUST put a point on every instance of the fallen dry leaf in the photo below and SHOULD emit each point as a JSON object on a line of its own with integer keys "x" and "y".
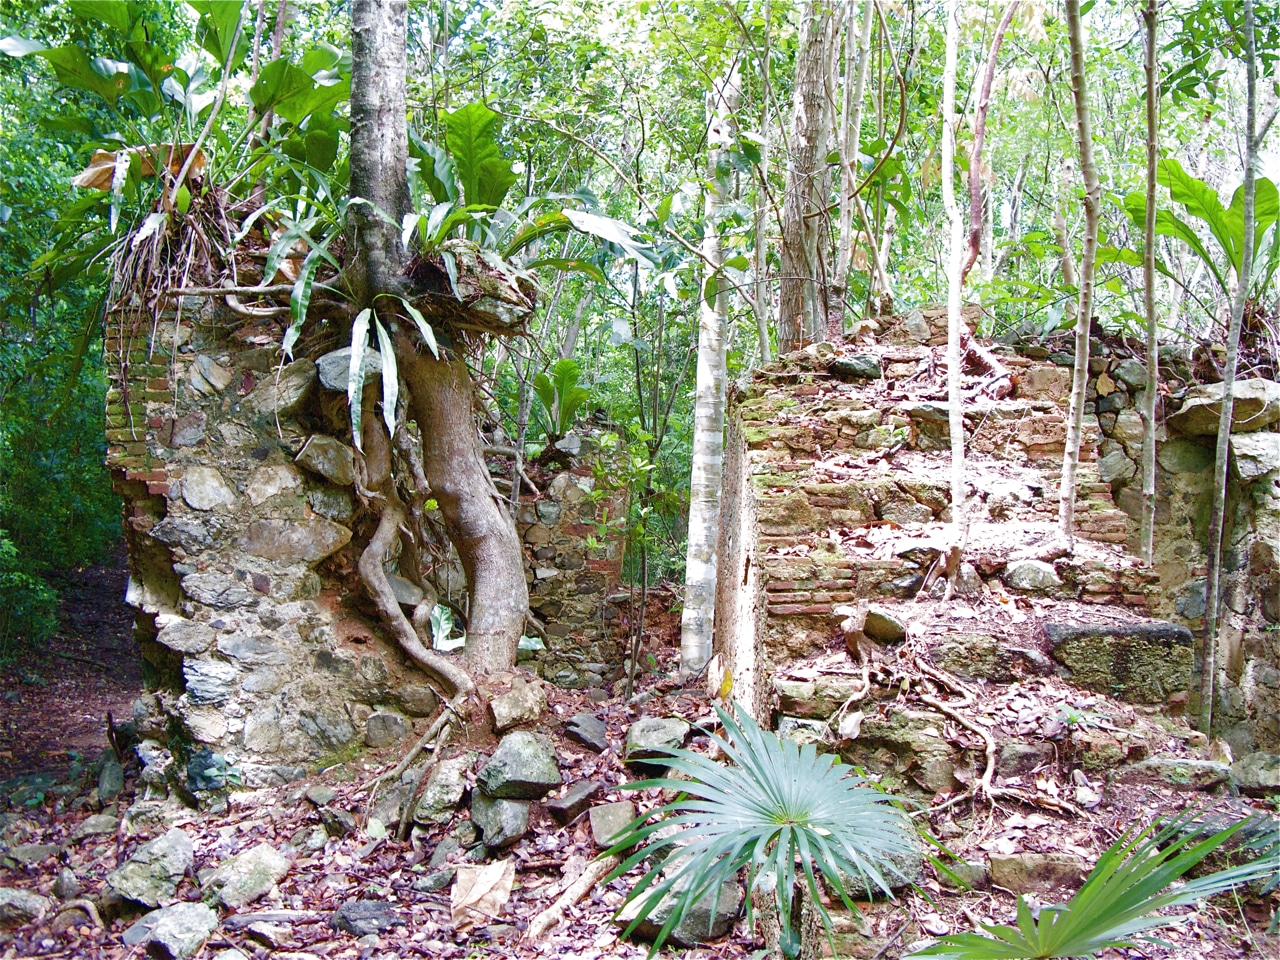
{"x": 479, "y": 892}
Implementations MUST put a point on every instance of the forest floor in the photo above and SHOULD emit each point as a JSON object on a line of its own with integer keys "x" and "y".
{"x": 54, "y": 702}
{"x": 66, "y": 715}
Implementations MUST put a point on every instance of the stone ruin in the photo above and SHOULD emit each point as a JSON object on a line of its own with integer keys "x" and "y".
{"x": 837, "y": 502}
{"x": 258, "y": 641}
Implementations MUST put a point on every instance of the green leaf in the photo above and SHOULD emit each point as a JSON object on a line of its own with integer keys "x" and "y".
{"x": 299, "y": 300}
{"x": 390, "y": 377}
{"x": 73, "y": 68}
{"x": 183, "y": 199}
{"x": 217, "y": 29}
{"x": 115, "y": 13}
{"x": 613, "y": 231}
{"x": 435, "y": 169}
{"x": 278, "y": 82}
{"x": 471, "y": 137}
{"x": 570, "y": 265}
{"x": 710, "y": 289}
{"x": 1201, "y": 201}
{"x": 424, "y": 328}
{"x": 355, "y": 372}
{"x": 20, "y": 46}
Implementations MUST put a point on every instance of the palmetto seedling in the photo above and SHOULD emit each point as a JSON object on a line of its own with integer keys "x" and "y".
{"x": 781, "y": 813}
{"x": 1118, "y": 901}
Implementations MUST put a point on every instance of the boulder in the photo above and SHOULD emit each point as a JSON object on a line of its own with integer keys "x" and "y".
{"x": 329, "y": 457}
{"x": 174, "y": 932}
{"x": 1257, "y": 774}
{"x": 1132, "y": 373}
{"x": 246, "y": 876}
{"x": 110, "y": 780}
{"x": 18, "y": 907}
{"x": 577, "y": 799}
{"x": 500, "y": 822}
{"x": 1116, "y": 466}
{"x": 1140, "y": 663}
{"x": 99, "y": 824}
{"x": 1256, "y": 405}
{"x": 653, "y": 738}
{"x": 589, "y": 731}
{"x": 858, "y": 367}
{"x": 610, "y": 820}
{"x": 524, "y": 704}
{"x": 1042, "y": 873}
{"x": 522, "y": 768}
{"x": 1184, "y": 456}
{"x": 153, "y": 872}
{"x": 1031, "y": 576}
{"x": 1255, "y": 455}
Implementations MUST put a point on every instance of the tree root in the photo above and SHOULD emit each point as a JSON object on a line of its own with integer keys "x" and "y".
{"x": 984, "y": 788}
{"x": 554, "y": 914}
{"x": 375, "y": 581}
{"x": 87, "y": 906}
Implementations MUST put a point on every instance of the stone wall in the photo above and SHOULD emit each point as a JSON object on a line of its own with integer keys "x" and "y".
{"x": 243, "y": 533}
{"x": 574, "y": 544}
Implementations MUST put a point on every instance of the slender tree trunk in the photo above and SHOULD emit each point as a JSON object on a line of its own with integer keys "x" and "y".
{"x": 441, "y": 392}
{"x": 761, "y": 301}
{"x": 856, "y": 59}
{"x": 697, "y": 621}
{"x": 1088, "y": 259}
{"x": 979, "y": 137}
{"x": 1149, "y": 15}
{"x": 798, "y": 285}
{"x": 1217, "y": 519}
{"x": 955, "y": 261}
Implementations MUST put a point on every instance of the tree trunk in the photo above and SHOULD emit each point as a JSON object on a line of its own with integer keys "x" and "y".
{"x": 955, "y": 261}
{"x": 856, "y": 60}
{"x": 379, "y": 148}
{"x": 1088, "y": 259}
{"x": 1217, "y": 518}
{"x": 798, "y": 284}
{"x": 697, "y": 621}
{"x": 979, "y": 136}
{"x": 1149, "y": 16}
{"x": 480, "y": 530}
{"x": 441, "y": 393}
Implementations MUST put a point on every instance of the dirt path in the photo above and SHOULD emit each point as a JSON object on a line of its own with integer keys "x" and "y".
{"x": 55, "y": 702}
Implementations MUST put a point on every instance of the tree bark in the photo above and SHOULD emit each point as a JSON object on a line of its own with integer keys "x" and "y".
{"x": 1088, "y": 260}
{"x": 480, "y": 530}
{"x": 798, "y": 286}
{"x": 1147, "y": 552}
{"x": 379, "y": 148}
{"x": 856, "y": 60}
{"x": 697, "y": 621}
{"x": 1217, "y": 518}
{"x": 955, "y": 262}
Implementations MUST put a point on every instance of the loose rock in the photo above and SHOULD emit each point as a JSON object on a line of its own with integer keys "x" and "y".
{"x": 444, "y": 789}
{"x": 1178, "y": 772}
{"x": 589, "y": 731}
{"x": 21, "y": 906}
{"x": 1258, "y": 774}
{"x": 610, "y": 820}
{"x": 701, "y": 924}
{"x": 501, "y": 822}
{"x": 363, "y": 917}
{"x": 173, "y": 932}
{"x": 1032, "y": 576}
{"x": 653, "y": 738}
{"x": 522, "y": 768}
{"x": 566, "y": 809}
{"x": 247, "y": 876}
{"x": 524, "y": 704}
{"x": 883, "y": 626}
{"x": 1037, "y": 872}
{"x": 152, "y": 874}
{"x": 384, "y": 729}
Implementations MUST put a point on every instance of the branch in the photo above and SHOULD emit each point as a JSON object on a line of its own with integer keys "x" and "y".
{"x": 550, "y": 917}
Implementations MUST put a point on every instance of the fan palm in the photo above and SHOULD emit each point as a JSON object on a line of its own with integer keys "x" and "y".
{"x": 777, "y": 810}
{"x": 1117, "y": 901}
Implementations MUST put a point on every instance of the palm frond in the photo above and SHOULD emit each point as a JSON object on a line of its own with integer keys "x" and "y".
{"x": 781, "y": 813}
{"x": 1118, "y": 901}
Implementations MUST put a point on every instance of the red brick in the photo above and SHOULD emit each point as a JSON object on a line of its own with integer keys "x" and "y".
{"x": 146, "y": 476}
{"x": 158, "y": 489}
{"x": 1135, "y": 599}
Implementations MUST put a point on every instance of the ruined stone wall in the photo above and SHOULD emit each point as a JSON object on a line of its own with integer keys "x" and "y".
{"x": 237, "y": 477}
{"x": 574, "y": 545}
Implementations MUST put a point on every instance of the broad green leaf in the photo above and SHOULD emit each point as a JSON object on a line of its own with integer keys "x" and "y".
{"x": 592, "y": 270}
{"x": 355, "y": 373}
{"x": 1201, "y": 201}
{"x": 115, "y": 13}
{"x": 217, "y": 29}
{"x": 710, "y": 289}
{"x": 73, "y": 68}
{"x": 435, "y": 169}
{"x": 278, "y": 81}
{"x": 471, "y": 137}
